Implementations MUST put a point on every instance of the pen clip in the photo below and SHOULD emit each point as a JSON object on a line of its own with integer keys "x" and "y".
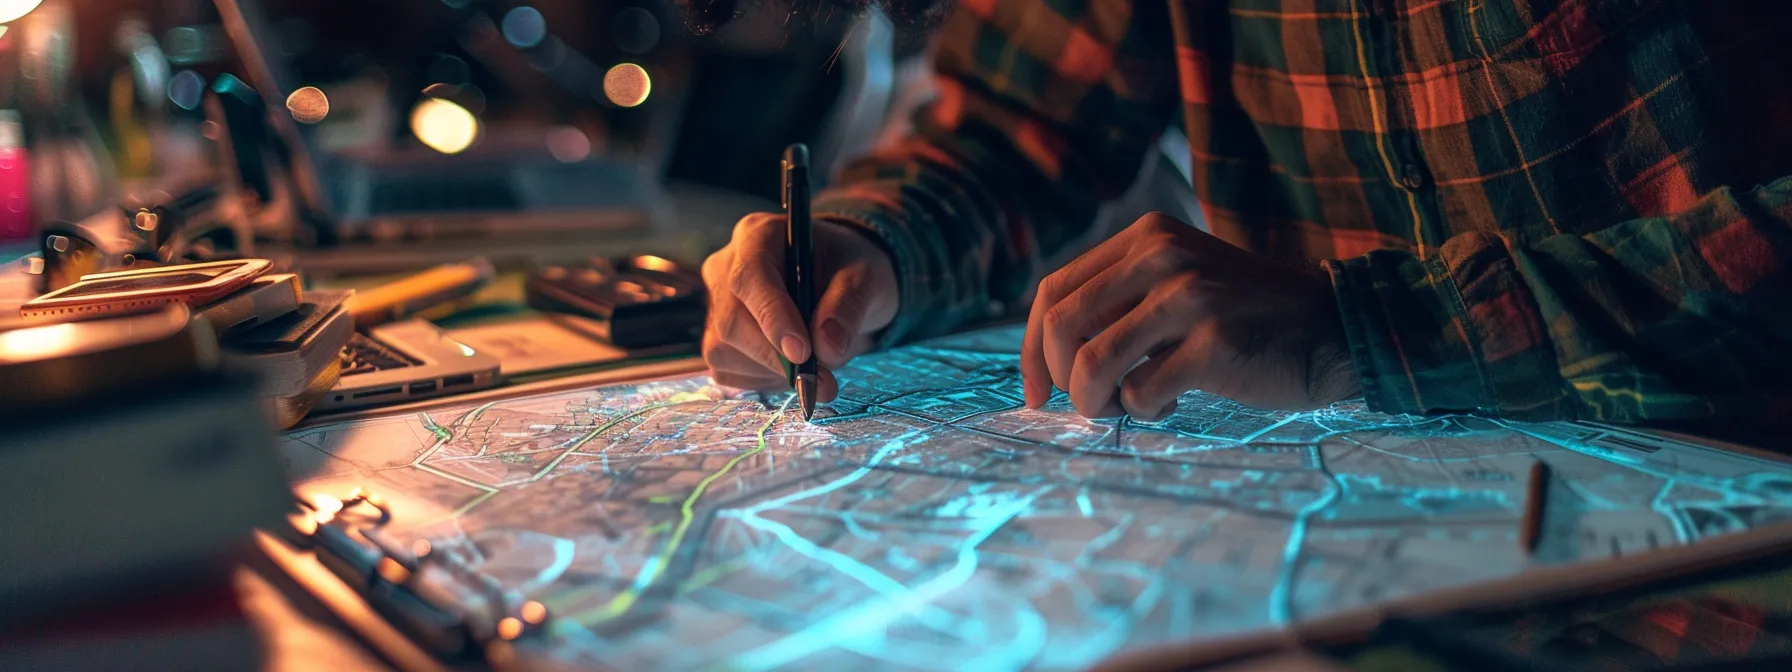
{"x": 784, "y": 184}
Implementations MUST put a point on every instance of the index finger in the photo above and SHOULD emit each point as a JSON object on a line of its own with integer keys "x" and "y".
{"x": 757, "y": 281}
{"x": 1035, "y": 374}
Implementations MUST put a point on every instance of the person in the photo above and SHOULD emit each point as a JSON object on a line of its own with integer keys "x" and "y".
{"x": 1534, "y": 210}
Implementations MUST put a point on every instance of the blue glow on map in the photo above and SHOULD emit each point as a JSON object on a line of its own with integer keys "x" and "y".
{"x": 928, "y": 520}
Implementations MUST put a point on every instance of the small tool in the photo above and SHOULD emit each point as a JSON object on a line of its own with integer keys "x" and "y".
{"x": 799, "y": 272}
{"x": 401, "y": 299}
{"x": 1530, "y": 528}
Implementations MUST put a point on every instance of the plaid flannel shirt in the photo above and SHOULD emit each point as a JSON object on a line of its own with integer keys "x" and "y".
{"x": 1534, "y": 209}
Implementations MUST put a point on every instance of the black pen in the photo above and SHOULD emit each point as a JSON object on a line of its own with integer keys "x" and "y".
{"x": 799, "y": 263}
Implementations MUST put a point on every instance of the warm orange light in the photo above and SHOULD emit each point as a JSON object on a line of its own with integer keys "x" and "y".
{"x": 308, "y": 105}
{"x": 444, "y": 126}
{"x": 627, "y": 85}
{"x": 11, "y": 10}
{"x": 420, "y": 548}
{"x": 304, "y": 525}
{"x": 36, "y": 342}
{"x": 534, "y": 612}
{"x": 393, "y": 572}
{"x": 510, "y": 628}
{"x": 653, "y": 263}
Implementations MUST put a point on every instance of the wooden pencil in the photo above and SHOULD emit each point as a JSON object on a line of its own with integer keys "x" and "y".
{"x": 1530, "y": 527}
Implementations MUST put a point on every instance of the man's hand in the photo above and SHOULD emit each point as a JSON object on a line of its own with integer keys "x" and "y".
{"x": 1208, "y": 316}
{"x": 752, "y": 317}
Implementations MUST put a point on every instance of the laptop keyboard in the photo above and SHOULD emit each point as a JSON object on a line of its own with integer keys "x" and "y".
{"x": 365, "y": 355}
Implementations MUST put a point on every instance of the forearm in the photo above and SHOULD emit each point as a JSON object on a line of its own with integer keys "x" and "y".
{"x": 964, "y": 246}
{"x": 998, "y": 179}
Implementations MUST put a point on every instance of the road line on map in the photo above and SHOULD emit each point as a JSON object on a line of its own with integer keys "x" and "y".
{"x": 1281, "y": 596}
{"x": 592, "y": 435}
{"x": 626, "y": 599}
{"x": 868, "y": 617}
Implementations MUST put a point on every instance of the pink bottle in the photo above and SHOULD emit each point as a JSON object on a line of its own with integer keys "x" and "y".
{"x": 16, "y": 221}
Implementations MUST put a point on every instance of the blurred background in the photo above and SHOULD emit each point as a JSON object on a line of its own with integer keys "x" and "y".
{"x": 112, "y": 94}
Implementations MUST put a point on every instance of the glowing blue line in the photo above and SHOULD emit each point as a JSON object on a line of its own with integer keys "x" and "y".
{"x": 1271, "y": 428}
{"x": 564, "y": 549}
{"x": 869, "y": 616}
{"x": 1028, "y": 642}
{"x": 1659, "y": 504}
{"x": 891, "y": 446}
{"x": 1082, "y": 502}
{"x": 648, "y": 570}
{"x": 844, "y": 563}
{"x": 1281, "y": 598}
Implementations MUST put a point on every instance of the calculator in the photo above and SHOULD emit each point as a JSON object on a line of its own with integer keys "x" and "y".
{"x": 634, "y": 302}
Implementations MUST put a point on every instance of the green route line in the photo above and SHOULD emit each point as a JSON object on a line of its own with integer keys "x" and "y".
{"x": 443, "y": 435}
{"x": 593, "y": 434}
{"x": 626, "y": 599}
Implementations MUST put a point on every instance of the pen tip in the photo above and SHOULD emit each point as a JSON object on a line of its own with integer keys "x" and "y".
{"x": 805, "y": 396}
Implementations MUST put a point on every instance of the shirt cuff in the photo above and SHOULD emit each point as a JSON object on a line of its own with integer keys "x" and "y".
{"x": 1454, "y": 333}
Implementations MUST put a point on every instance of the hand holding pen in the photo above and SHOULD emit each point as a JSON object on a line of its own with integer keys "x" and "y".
{"x": 755, "y": 325}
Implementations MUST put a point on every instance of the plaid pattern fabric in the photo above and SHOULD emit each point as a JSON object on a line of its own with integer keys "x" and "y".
{"x": 1536, "y": 209}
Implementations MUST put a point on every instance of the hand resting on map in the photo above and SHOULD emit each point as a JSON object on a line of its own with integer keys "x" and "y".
{"x": 1201, "y": 314}
{"x": 750, "y": 311}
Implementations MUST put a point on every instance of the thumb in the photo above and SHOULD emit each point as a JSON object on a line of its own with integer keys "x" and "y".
{"x": 841, "y": 314}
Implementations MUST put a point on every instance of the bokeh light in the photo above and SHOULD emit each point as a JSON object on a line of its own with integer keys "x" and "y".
{"x": 186, "y": 90}
{"x": 627, "y": 85}
{"x": 444, "y": 126}
{"x": 308, "y": 105}
{"x": 11, "y": 10}
{"x": 568, "y": 144}
{"x": 524, "y": 27}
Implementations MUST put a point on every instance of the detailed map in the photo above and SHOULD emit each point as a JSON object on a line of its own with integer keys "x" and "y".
{"x": 928, "y": 520}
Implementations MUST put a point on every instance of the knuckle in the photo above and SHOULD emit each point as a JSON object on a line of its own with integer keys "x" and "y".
{"x": 1052, "y": 287}
{"x": 1140, "y": 395}
{"x": 708, "y": 269}
{"x": 1162, "y": 256}
{"x": 1058, "y": 317}
{"x": 1157, "y": 221}
{"x": 1090, "y": 357}
{"x": 756, "y": 224}
{"x": 1181, "y": 292}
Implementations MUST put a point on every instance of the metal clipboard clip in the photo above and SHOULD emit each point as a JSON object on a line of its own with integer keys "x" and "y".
{"x": 412, "y": 585}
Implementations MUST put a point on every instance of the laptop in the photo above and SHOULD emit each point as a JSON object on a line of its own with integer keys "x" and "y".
{"x": 392, "y": 363}
{"x": 405, "y": 361}
{"x": 419, "y": 194}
